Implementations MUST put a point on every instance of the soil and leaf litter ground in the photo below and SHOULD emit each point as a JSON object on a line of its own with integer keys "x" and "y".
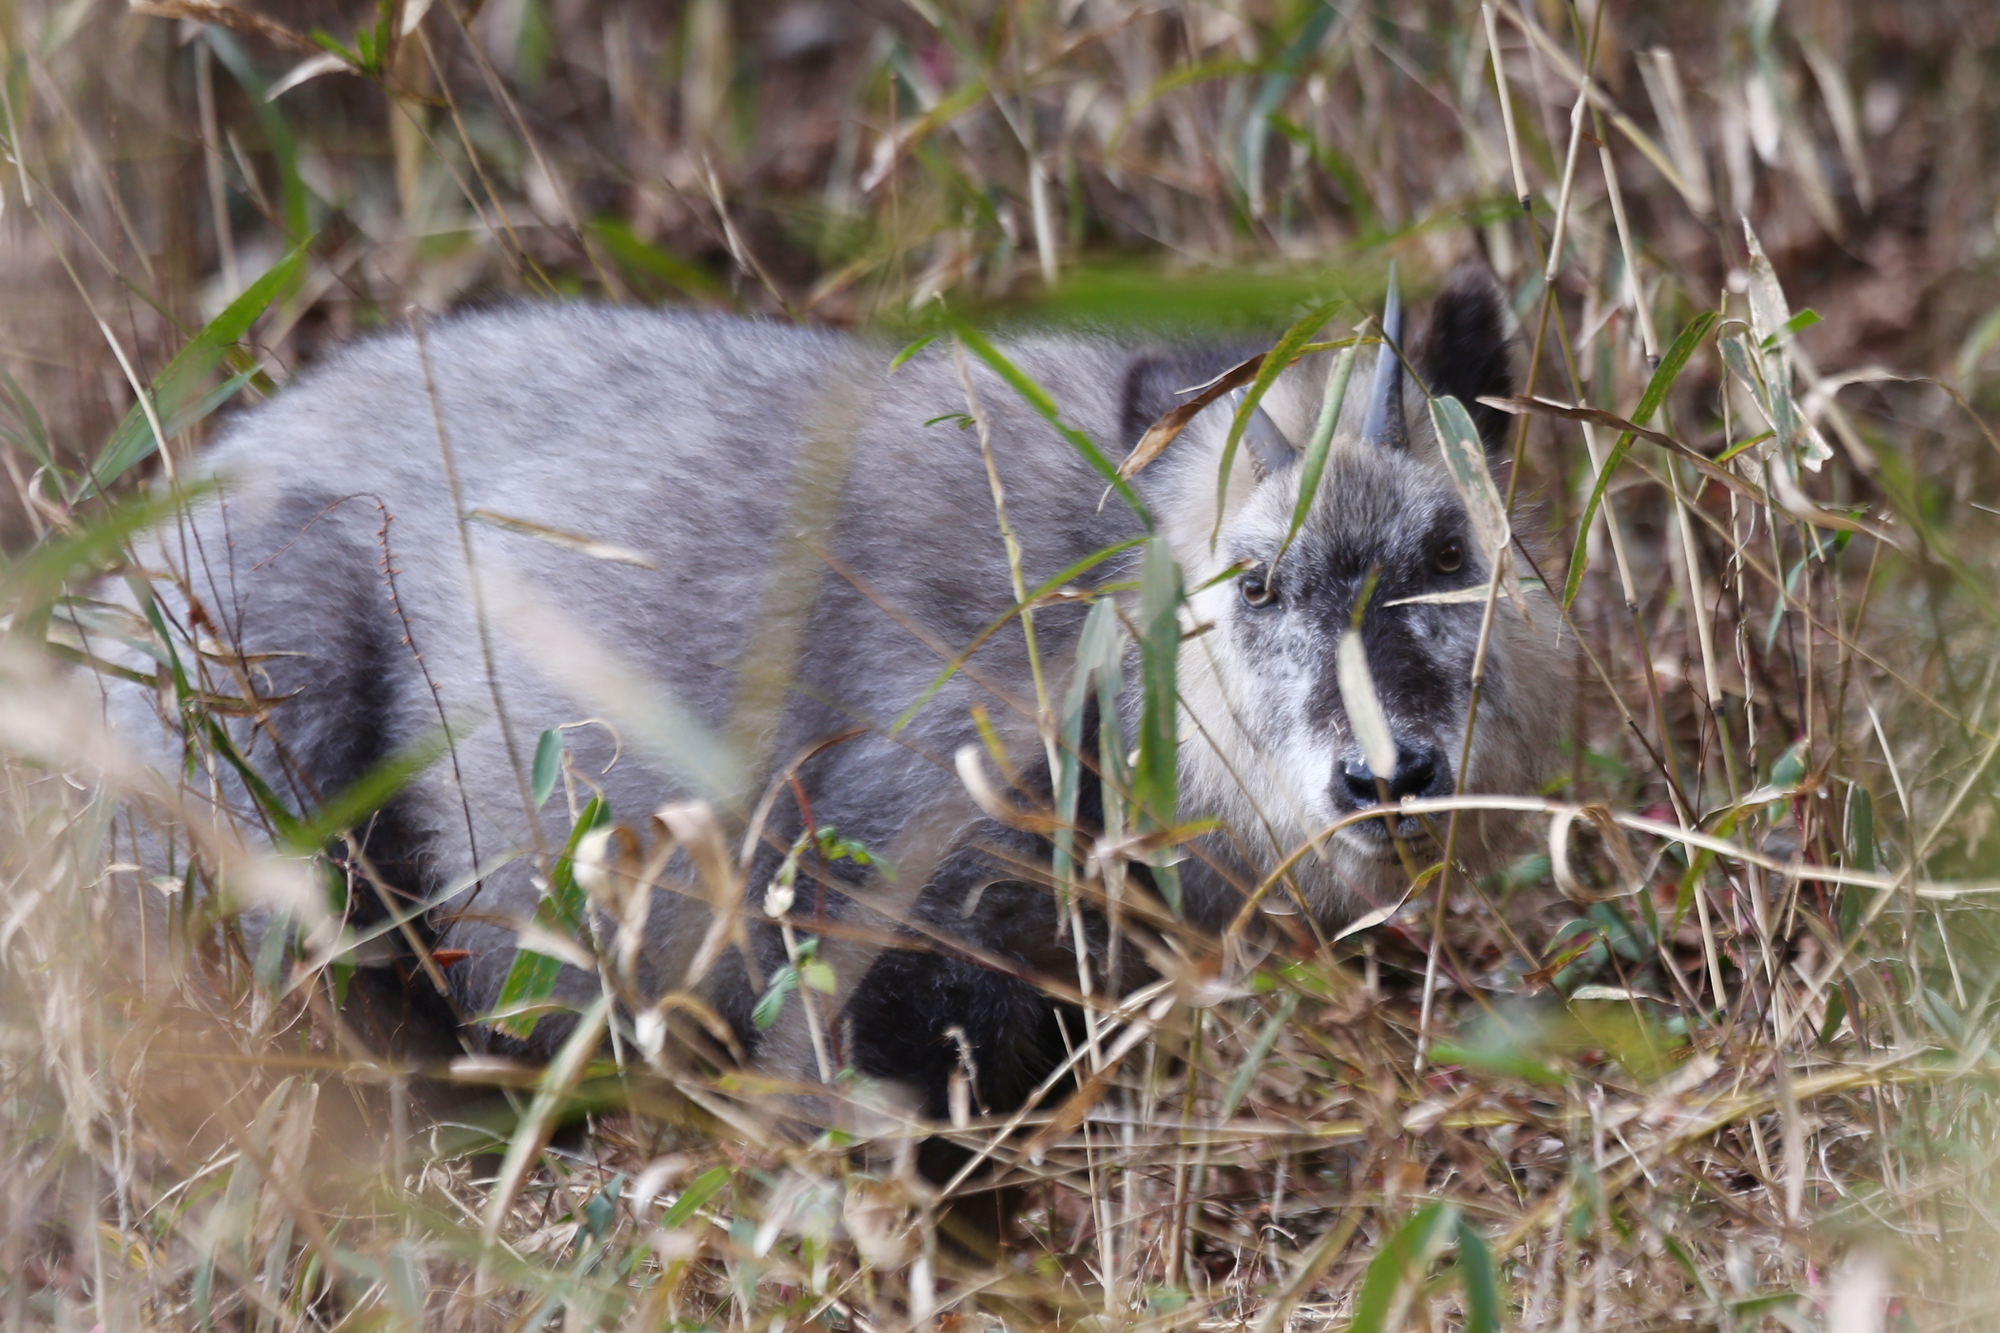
{"x": 1713, "y": 1050}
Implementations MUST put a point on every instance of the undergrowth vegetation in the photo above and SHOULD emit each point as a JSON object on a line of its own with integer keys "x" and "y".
{"x": 1713, "y": 1050}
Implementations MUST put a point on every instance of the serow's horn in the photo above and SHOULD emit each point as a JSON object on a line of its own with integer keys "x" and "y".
{"x": 1384, "y": 423}
{"x": 1270, "y": 451}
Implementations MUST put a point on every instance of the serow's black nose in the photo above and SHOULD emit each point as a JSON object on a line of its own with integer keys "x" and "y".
{"x": 1418, "y": 773}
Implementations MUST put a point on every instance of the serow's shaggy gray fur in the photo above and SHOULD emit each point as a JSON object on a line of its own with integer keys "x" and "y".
{"x": 727, "y": 555}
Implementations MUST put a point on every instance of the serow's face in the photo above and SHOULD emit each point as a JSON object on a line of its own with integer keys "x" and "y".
{"x": 1388, "y": 536}
{"x": 1384, "y": 554}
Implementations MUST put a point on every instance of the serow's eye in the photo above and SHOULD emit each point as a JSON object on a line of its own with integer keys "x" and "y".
{"x": 1256, "y": 587}
{"x": 1449, "y": 558}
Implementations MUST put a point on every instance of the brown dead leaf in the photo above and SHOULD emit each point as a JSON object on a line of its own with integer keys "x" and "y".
{"x": 1168, "y": 428}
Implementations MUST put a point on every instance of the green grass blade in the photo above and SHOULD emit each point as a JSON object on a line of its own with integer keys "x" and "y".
{"x": 1482, "y": 1280}
{"x": 1670, "y": 368}
{"x": 1099, "y": 649}
{"x": 1035, "y": 396}
{"x": 915, "y": 346}
{"x": 1200, "y": 72}
{"x": 1260, "y": 1050}
{"x": 180, "y": 387}
{"x": 705, "y": 1187}
{"x": 1155, "y": 779}
{"x": 283, "y": 145}
{"x": 532, "y": 977}
{"x": 29, "y": 584}
{"x": 558, "y": 1082}
{"x": 1313, "y": 466}
{"x": 33, "y": 435}
{"x": 1000, "y": 622}
{"x": 1335, "y": 163}
{"x": 283, "y": 820}
{"x": 367, "y": 793}
{"x": 1498, "y": 1062}
{"x": 1671, "y": 365}
{"x": 548, "y": 765}
{"x": 1276, "y": 86}
{"x": 1574, "y": 582}
{"x": 1276, "y": 361}
{"x": 1399, "y": 1265}
{"x": 642, "y": 258}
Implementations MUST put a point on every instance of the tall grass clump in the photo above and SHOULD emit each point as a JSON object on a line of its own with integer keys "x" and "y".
{"x": 1713, "y": 1050}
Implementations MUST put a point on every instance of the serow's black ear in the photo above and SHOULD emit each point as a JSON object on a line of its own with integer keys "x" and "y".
{"x": 1465, "y": 351}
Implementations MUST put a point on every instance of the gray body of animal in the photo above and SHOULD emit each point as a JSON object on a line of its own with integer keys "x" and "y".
{"x": 815, "y": 549}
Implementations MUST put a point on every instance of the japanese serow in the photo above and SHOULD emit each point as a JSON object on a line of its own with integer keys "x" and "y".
{"x": 824, "y": 613}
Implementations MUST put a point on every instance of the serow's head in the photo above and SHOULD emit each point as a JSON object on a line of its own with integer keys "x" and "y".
{"x": 1270, "y": 737}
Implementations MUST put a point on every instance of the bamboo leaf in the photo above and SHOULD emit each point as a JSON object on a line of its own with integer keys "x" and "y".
{"x": 1259, "y": 1052}
{"x": 1386, "y": 1285}
{"x": 34, "y": 435}
{"x": 283, "y": 144}
{"x": 1046, "y": 588}
{"x": 1187, "y": 75}
{"x": 1281, "y": 355}
{"x": 771, "y": 1004}
{"x": 548, "y": 765}
{"x": 705, "y": 1187}
{"x": 1313, "y": 466}
{"x": 1672, "y": 364}
{"x": 1035, "y": 396}
{"x": 1669, "y": 370}
{"x": 557, "y": 1085}
{"x": 642, "y": 257}
{"x": 1155, "y": 778}
{"x": 367, "y": 793}
{"x": 29, "y": 584}
{"x": 180, "y": 387}
{"x": 1465, "y": 460}
{"x": 915, "y": 346}
{"x": 1482, "y": 1280}
{"x": 1099, "y": 650}
{"x": 532, "y": 976}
